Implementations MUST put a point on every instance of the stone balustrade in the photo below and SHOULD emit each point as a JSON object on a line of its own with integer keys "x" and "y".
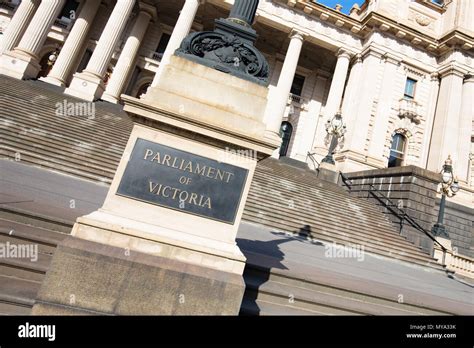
{"x": 410, "y": 109}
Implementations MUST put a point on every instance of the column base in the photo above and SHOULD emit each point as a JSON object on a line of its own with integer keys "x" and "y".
{"x": 53, "y": 81}
{"x": 92, "y": 278}
{"x": 86, "y": 86}
{"x": 19, "y": 65}
{"x": 110, "y": 98}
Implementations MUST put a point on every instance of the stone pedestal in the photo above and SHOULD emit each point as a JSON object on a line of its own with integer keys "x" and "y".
{"x": 164, "y": 240}
{"x": 328, "y": 172}
{"x": 438, "y": 254}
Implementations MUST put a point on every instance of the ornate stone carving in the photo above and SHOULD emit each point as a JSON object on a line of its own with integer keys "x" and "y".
{"x": 227, "y": 53}
{"x": 229, "y": 48}
{"x": 422, "y": 20}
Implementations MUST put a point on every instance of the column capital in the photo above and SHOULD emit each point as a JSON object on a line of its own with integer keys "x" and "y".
{"x": 357, "y": 59}
{"x": 297, "y": 34}
{"x": 434, "y": 76}
{"x": 148, "y": 9}
{"x": 452, "y": 69}
{"x": 469, "y": 78}
{"x": 343, "y": 53}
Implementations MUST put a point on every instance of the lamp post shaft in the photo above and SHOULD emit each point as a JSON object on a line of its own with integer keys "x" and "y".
{"x": 442, "y": 205}
{"x": 244, "y": 10}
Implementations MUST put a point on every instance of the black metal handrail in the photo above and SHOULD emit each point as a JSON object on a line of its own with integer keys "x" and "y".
{"x": 316, "y": 164}
{"x": 394, "y": 209}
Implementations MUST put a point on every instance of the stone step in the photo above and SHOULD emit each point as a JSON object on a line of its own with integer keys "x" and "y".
{"x": 312, "y": 226}
{"x": 344, "y": 208}
{"x": 324, "y": 300}
{"x": 46, "y": 112}
{"x": 31, "y": 233}
{"x": 66, "y": 130}
{"x": 21, "y": 273}
{"x": 70, "y": 161}
{"x": 275, "y": 286}
{"x": 46, "y": 162}
{"x": 259, "y": 307}
{"x": 94, "y": 157}
{"x": 257, "y": 203}
{"x": 19, "y": 243}
{"x": 7, "y": 308}
{"x": 421, "y": 259}
{"x": 310, "y": 192}
{"x": 273, "y": 219}
{"x": 34, "y": 223}
{"x": 18, "y": 291}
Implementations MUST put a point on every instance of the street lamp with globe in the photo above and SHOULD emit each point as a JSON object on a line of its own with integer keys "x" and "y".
{"x": 335, "y": 128}
{"x": 449, "y": 188}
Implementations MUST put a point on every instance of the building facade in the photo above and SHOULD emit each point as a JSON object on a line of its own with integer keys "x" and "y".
{"x": 401, "y": 72}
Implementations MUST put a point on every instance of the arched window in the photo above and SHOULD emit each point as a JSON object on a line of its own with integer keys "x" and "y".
{"x": 397, "y": 152}
{"x": 285, "y": 133}
{"x": 143, "y": 89}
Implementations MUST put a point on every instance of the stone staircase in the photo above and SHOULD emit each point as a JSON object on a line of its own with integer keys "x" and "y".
{"x": 283, "y": 197}
{"x": 20, "y": 278}
{"x": 86, "y": 147}
{"x": 291, "y": 199}
{"x": 277, "y": 293}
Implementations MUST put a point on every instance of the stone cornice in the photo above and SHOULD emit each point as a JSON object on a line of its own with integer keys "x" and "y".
{"x": 362, "y": 27}
{"x": 372, "y": 50}
{"x": 452, "y": 69}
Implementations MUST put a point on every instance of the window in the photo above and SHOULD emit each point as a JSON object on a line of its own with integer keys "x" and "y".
{"x": 410, "y": 88}
{"x": 165, "y": 38}
{"x": 397, "y": 152}
{"x": 297, "y": 86}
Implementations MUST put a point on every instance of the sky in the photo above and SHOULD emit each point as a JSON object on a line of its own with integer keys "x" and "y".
{"x": 346, "y": 4}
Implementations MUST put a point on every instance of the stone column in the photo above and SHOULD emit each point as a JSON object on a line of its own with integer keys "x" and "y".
{"x": 17, "y": 25}
{"x": 23, "y": 61}
{"x": 278, "y": 100}
{"x": 89, "y": 84}
{"x": 126, "y": 61}
{"x": 337, "y": 85}
{"x": 356, "y": 137}
{"x": 333, "y": 102}
{"x": 351, "y": 96}
{"x": 384, "y": 106}
{"x": 461, "y": 166}
{"x": 434, "y": 91}
{"x": 73, "y": 45}
{"x": 446, "y": 123}
{"x": 314, "y": 110}
{"x": 180, "y": 31}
